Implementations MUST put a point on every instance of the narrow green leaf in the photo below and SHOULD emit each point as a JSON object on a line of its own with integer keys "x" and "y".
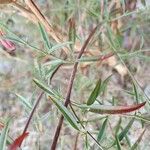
{"x": 3, "y": 137}
{"x": 72, "y": 32}
{"x": 142, "y": 118}
{"x": 45, "y": 37}
{"x": 66, "y": 113}
{"x": 24, "y": 101}
{"x": 135, "y": 93}
{"x": 138, "y": 141}
{"x": 104, "y": 83}
{"x": 118, "y": 143}
{"x": 59, "y": 46}
{"x": 102, "y": 130}
{"x": 54, "y": 62}
{"x": 86, "y": 141}
{"x": 127, "y": 138}
{"x": 125, "y": 130}
{"x": 118, "y": 126}
{"x": 43, "y": 86}
{"x": 94, "y": 93}
{"x": 51, "y": 67}
{"x": 39, "y": 70}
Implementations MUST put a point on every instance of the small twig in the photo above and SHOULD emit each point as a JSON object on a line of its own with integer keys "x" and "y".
{"x": 32, "y": 112}
{"x": 69, "y": 89}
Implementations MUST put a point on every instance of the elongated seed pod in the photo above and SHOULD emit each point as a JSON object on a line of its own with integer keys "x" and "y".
{"x": 6, "y": 1}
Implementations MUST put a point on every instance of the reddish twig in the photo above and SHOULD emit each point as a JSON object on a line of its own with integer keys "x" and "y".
{"x": 69, "y": 89}
{"x": 31, "y": 114}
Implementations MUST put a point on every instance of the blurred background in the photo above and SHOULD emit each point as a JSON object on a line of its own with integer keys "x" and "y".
{"x": 19, "y": 63}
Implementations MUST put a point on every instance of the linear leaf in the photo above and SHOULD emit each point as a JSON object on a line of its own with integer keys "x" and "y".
{"x": 24, "y": 101}
{"x": 59, "y": 46}
{"x": 72, "y": 32}
{"x": 123, "y": 133}
{"x": 43, "y": 86}
{"x": 3, "y": 136}
{"x": 94, "y": 93}
{"x": 105, "y": 109}
{"x": 45, "y": 36}
{"x": 118, "y": 143}
{"x": 118, "y": 126}
{"x": 104, "y": 83}
{"x": 125, "y": 130}
{"x": 138, "y": 141}
{"x": 66, "y": 113}
{"x": 86, "y": 141}
{"x": 135, "y": 93}
{"x": 102, "y": 130}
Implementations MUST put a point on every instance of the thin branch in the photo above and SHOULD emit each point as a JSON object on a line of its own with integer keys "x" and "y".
{"x": 32, "y": 112}
{"x": 69, "y": 89}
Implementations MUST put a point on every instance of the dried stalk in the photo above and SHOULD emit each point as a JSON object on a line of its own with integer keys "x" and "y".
{"x": 36, "y": 11}
{"x": 26, "y": 12}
